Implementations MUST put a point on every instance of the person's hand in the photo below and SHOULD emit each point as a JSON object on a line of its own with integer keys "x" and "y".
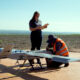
{"x": 39, "y": 27}
{"x": 42, "y": 27}
{"x": 45, "y": 26}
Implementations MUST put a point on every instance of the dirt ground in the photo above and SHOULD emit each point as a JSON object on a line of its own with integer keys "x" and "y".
{"x": 10, "y": 71}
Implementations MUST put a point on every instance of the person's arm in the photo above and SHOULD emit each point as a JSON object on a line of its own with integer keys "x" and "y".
{"x": 45, "y": 26}
{"x": 39, "y": 27}
{"x": 58, "y": 46}
{"x": 33, "y": 29}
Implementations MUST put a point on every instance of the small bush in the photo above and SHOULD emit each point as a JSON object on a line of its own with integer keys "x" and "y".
{"x": 1, "y": 41}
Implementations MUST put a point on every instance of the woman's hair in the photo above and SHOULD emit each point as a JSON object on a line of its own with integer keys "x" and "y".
{"x": 35, "y": 13}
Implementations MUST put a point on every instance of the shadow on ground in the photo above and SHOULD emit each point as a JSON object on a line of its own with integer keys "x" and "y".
{"x": 24, "y": 74}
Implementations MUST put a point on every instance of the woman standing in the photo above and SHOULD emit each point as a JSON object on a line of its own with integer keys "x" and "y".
{"x": 36, "y": 33}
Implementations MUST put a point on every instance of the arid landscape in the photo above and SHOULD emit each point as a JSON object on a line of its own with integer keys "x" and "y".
{"x": 23, "y": 41}
{"x": 10, "y": 71}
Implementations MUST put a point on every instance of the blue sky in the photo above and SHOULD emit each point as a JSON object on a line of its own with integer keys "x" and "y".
{"x": 62, "y": 15}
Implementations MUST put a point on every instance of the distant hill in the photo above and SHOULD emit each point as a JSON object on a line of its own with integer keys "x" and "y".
{"x": 24, "y": 32}
{"x": 18, "y": 32}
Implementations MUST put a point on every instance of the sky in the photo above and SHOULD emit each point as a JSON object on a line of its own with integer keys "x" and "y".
{"x": 62, "y": 15}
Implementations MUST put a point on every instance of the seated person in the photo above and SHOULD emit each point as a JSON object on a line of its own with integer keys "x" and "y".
{"x": 57, "y": 47}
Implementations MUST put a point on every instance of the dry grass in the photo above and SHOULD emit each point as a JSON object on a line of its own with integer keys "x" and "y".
{"x": 23, "y": 41}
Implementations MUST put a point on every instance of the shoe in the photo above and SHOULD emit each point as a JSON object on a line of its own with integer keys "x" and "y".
{"x": 66, "y": 65}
